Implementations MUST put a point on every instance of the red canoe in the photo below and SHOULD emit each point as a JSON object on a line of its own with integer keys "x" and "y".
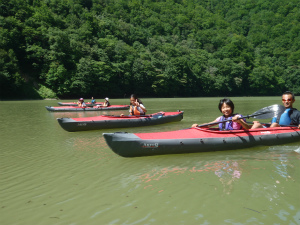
{"x": 75, "y": 104}
{"x": 78, "y": 109}
{"x": 106, "y": 122}
{"x": 197, "y": 140}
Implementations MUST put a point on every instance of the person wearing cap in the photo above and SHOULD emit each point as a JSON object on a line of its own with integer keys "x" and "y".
{"x": 81, "y": 103}
{"x": 106, "y": 103}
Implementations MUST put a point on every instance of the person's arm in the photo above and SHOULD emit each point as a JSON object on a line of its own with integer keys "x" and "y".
{"x": 298, "y": 118}
{"x": 242, "y": 122}
{"x": 143, "y": 107}
{"x": 275, "y": 125}
{"x": 256, "y": 124}
{"x": 216, "y": 120}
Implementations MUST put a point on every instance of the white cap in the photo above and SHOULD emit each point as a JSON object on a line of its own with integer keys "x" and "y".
{"x": 106, "y": 98}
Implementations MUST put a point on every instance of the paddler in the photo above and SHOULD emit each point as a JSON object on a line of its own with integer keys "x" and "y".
{"x": 136, "y": 106}
{"x": 290, "y": 116}
{"x": 106, "y": 103}
{"x": 81, "y": 103}
{"x": 226, "y": 107}
{"x": 93, "y": 101}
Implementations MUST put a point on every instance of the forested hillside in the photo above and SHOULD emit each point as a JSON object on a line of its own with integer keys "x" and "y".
{"x": 163, "y": 48}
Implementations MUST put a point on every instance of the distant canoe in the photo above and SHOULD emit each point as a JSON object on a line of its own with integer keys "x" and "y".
{"x": 86, "y": 109}
{"x": 106, "y": 122}
{"x": 75, "y": 104}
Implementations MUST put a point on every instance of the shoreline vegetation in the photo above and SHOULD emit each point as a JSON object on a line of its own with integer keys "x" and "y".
{"x": 70, "y": 48}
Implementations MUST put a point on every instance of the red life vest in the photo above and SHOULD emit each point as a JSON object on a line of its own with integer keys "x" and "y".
{"x": 134, "y": 111}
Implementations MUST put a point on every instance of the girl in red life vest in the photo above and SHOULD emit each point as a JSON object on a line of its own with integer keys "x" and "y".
{"x": 136, "y": 106}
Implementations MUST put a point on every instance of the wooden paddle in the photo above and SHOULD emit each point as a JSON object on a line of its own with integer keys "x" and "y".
{"x": 264, "y": 113}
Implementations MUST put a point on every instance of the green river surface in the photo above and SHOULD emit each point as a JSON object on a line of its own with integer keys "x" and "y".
{"x": 51, "y": 176}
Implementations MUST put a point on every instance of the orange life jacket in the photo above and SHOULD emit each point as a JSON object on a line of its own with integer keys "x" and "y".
{"x": 135, "y": 111}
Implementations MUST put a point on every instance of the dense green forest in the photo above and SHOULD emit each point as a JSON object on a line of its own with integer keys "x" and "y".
{"x": 159, "y": 48}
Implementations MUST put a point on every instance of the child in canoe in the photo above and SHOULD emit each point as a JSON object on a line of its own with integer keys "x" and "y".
{"x": 226, "y": 107}
{"x": 81, "y": 103}
{"x": 136, "y": 106}
{"x": 106, "y": 102}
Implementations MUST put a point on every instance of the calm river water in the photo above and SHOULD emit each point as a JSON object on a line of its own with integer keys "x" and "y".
{"x": 50, "y": 176}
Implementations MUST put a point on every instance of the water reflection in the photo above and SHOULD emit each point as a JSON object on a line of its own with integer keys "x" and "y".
{"x": 87, "y": 145}
{"x": 227, "y": 172}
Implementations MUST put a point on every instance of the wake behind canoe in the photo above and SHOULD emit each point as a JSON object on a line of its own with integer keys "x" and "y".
{"x": 107, "y": 122}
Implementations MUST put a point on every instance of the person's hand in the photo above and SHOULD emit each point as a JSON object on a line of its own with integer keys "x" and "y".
{"x": 122, "y": 115}
{"x": 137, "y": 103}
{"x": 195, "y": 125}
{"x": 236, "y": 119}
{"x": 299, "y": 126}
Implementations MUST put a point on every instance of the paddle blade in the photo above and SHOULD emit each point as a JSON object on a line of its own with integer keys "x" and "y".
{"x": 268, "y": 112}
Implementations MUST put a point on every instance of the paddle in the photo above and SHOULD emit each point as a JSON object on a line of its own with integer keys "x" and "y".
{"x": 130, "y": 116}
{"x": 264, "y": 113}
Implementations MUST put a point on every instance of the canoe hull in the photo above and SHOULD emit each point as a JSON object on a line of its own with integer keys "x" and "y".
{"x": 132, "y": 145}
{"x": 106, "y": 122}
{"x": 85, "y": 109}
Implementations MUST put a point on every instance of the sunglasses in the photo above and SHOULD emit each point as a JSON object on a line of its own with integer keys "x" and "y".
{"x": 287, "y": 100}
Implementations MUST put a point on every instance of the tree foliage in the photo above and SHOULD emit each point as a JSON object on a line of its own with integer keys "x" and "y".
{"x": 159, "y": 48}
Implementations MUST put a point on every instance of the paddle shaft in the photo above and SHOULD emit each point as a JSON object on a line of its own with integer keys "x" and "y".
{"x": 223, "y": 121}
{"x": 134, "y": 115}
